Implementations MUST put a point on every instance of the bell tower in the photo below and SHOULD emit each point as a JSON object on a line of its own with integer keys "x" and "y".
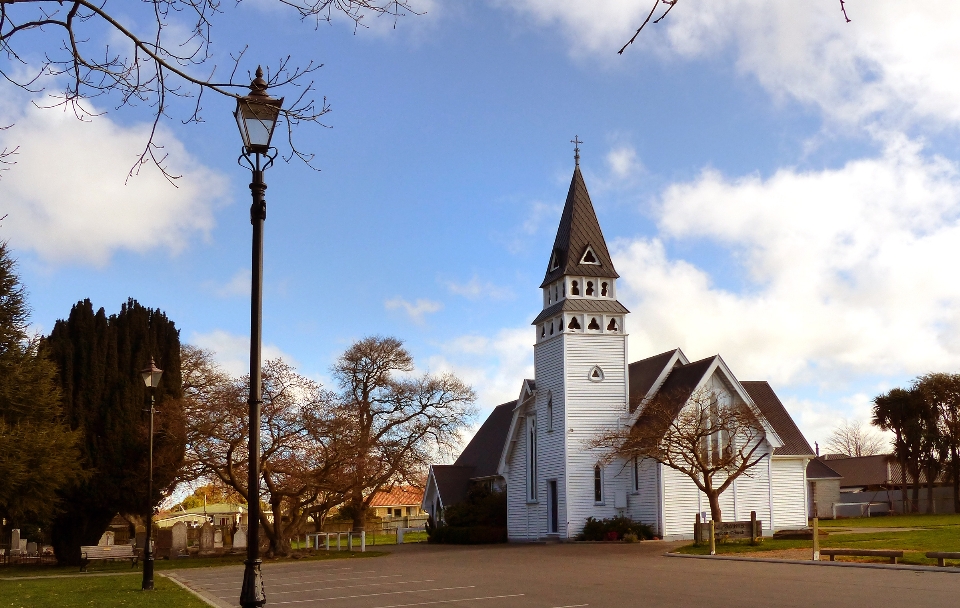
{"x": 580, "y": 361}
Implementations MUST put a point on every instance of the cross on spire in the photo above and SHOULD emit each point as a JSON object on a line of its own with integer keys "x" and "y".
{"x": 576, "y": 149}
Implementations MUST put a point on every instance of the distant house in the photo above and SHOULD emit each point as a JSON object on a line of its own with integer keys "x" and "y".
{"x": 401, "y": 501}
{"x": 219, "y": 514}
{"x": 862, "y": 473}
{"x": 823, "y": 488}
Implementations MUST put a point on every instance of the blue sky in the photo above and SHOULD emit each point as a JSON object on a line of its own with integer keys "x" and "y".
{"x": 775, "y": 185}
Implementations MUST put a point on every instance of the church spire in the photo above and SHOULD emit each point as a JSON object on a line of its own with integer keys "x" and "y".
{"x": 579, "y": 248}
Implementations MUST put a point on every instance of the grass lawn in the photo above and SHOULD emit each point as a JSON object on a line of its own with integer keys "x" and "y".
{"x": 931, "y": 533}
{"x": 175, "y": 564}
{"x": 100, "y": 591}
{"x": 894, "y": 521}
{"x": 373, "y": 540}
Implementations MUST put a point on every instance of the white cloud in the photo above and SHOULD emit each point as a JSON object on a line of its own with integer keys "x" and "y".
{"x": 67, "y": 200}
{"x": 233, "y": 351}
{"x": 238, "y": 285}
{"x": 895, "y": 61}
{"x": 415, "y": 310}
{"x": 623, "y": 162}
{"x": 849, "y": 272}
{"x": 474, "y": 289}
{"x": 495, "y": 366}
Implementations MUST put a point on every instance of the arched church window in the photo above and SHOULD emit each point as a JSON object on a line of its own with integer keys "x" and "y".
{"x": 551, "y": 328}
{"x": 550, "y": 413}
{"x": 612, "y": 325}
{"x": 593, "y": 324}
{"x": 597, "y": 484}
{"x": 603, "y": 289}
{"x": 556, "y": 292}
{"x": 589, "y": 288}
{"x": 543, "y": 331}
{"x": 575, "y": 288}
{"x": 574, "y": 324}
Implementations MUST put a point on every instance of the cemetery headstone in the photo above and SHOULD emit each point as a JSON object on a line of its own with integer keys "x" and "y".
{"x": 240, "y": 539}
{"x": 23, "y": 545}
{"x": 218, "y": 539}
{"x": 15, "y": 540}
{"x": 206, "y": 538}
{"x": 106, "y": 539}
{"x": 178, "y": 541}
{"x": 164, "y": 543}
{"x": 31, "y": 548}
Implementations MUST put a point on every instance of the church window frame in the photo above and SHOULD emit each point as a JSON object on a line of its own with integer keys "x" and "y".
{"x": 604, "y": 289}
{"x": 575, "y": 324}
{"x": 590, "y": 291}
{"x": 554, "y": 261}
{"x": 575, "y": 288}
{"x": 613, "y": 326}
{"x": 598, "y": 494}
{"x": 549, "y": 412}
{"x": 596, "y": 374}
{"x": 593, "y": 325}
{"x": 636, "y": 473}
{"x": 532, "y": 459}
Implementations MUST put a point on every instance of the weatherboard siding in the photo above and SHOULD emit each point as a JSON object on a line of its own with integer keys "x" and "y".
{"x": 592, "y": 407}
{"x": 548, "y": 367}
{"x": 517, "y": 508}
{"x": 789, "y": 492}
{"x": 644, "y": 503}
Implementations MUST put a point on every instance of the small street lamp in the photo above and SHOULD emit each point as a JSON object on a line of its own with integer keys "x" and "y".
{"x": 256, "y": 115}
{"x": 151, "y": 377}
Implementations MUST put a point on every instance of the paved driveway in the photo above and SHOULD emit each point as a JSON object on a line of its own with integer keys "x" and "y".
{"x": 568, "y": 575}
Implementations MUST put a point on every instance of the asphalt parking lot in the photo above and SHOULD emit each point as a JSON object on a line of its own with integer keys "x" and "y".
{"x": 571, "y": 575}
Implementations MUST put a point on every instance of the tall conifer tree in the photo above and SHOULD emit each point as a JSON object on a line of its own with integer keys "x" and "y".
{"x": 38, "y": 452}
{"x": 100, "y": 359}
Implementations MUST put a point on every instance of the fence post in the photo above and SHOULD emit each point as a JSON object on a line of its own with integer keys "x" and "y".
{"x": 363, "y": 540}
{"x": 697, "y": 532}
{"x": 349, "y": 541}
{"x": 399, "y": 536}
{"x": 753, "y": 527}
{"x": 713, "y": 538}
{"x": 816, "y": 539}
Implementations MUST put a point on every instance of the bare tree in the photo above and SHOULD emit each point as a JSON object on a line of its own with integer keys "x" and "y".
{"x": 397, "y": 423}
{"x": 665, "y": 6}
{"x": 156, "y": 53}
{"x": 710, "y": 440}
{"x": 301, "y": 461}
{"x": 852, "y": 438}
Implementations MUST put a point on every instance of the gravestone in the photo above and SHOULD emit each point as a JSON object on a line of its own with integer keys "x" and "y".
{"x": 15, "y": 540}
{"x": 107, "y": 539}
{"x": 218, "y": 539}
{"x": 206, "y": 538}
{"x": 163, "y": 543}
{"x": 240, "y": 539}
{"x": 23, "y": 545}
{"x": 31, "y": 548}
{"x": 178, "y": 542}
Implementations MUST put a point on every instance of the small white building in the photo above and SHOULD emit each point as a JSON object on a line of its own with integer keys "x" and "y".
{"x": 535, "y": 446}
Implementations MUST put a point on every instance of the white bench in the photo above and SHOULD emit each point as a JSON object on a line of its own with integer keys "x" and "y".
{"x": 109, "y": 552}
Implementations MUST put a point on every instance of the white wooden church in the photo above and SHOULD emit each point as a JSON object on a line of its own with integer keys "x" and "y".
{"x": 534, "y": 447}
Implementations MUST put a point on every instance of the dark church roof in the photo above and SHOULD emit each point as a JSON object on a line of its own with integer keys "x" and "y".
{"x": 684, "y": 379}
{"x": 644, "y": 373}
{"x": 479, "y": 459}
{"x": 484, "y": 450}
{"x": 579, "y": 229}
{"x": 582, "y": 305}
{"x": 818, "y": 469}
{"x": 794, "y": 443}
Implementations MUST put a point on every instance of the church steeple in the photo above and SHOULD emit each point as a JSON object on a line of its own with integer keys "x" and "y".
{"x": 579, "y": 248}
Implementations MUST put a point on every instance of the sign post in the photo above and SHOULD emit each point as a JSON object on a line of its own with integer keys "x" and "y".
{"x": 713, "y": 538}
{"x": 816, "y": 539}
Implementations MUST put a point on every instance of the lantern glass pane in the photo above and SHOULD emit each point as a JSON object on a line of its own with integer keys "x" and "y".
{"x": 258, "y": 131}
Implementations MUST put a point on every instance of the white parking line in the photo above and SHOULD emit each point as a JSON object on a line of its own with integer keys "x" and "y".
{"x": 429, "y": 580}
{"x": 572, "y": 606}
{"x": 350, "y": 597}
{"x": 466, "y": 599}
{"x": 358, "y": 578}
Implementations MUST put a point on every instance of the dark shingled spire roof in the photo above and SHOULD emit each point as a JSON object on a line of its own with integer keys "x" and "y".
{"x": 579, "y": 229}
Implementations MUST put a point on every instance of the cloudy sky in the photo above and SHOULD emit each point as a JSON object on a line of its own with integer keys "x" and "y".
{"x": 776, "y": 185}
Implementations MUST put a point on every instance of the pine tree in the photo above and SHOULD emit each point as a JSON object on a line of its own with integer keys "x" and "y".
{"x": 38, "y": 452}
{"x": 100, "y": 359}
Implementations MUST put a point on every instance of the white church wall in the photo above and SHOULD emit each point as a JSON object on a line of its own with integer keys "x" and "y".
{"x": 753, "y": 494}
{"x": 645, "y": 500}
{"x": 548, "y": 365}
{"x": 592, "y": 407}
{"x": 518, "y": 510}
{"x": 682, "y": 500}
{"x": 789, "y": 492}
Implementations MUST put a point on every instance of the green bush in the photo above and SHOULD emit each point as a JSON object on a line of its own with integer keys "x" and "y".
{"x": 480, "y": 519}
{"x": 614, "y": 529}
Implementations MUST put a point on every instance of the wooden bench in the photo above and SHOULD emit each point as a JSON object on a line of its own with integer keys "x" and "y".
{"x": 893, "y": 555}
{"x": 940, "y": 556}
{"x": 109, "y": 552}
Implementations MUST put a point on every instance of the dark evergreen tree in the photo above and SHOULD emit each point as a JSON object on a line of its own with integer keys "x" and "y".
{"x": 100, "y": 359}
{"x": 38, "y": 452}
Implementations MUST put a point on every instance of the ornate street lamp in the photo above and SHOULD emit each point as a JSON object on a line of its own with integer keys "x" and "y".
{"x": 256, "y": 115}
{"x": 151, "y": 377}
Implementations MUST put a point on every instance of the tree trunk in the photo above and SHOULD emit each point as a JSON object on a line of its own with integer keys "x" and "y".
{"x": 915, "y": 494}
{"x": 714, "y": 498}
{"x": 75, "y": 529}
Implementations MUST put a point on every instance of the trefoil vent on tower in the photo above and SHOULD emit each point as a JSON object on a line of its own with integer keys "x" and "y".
{"x": 554, "y": 262}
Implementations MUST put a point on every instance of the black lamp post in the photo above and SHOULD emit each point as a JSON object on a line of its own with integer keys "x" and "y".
{"x": 151, "y": 377}
{"x": 256, "y": 116}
